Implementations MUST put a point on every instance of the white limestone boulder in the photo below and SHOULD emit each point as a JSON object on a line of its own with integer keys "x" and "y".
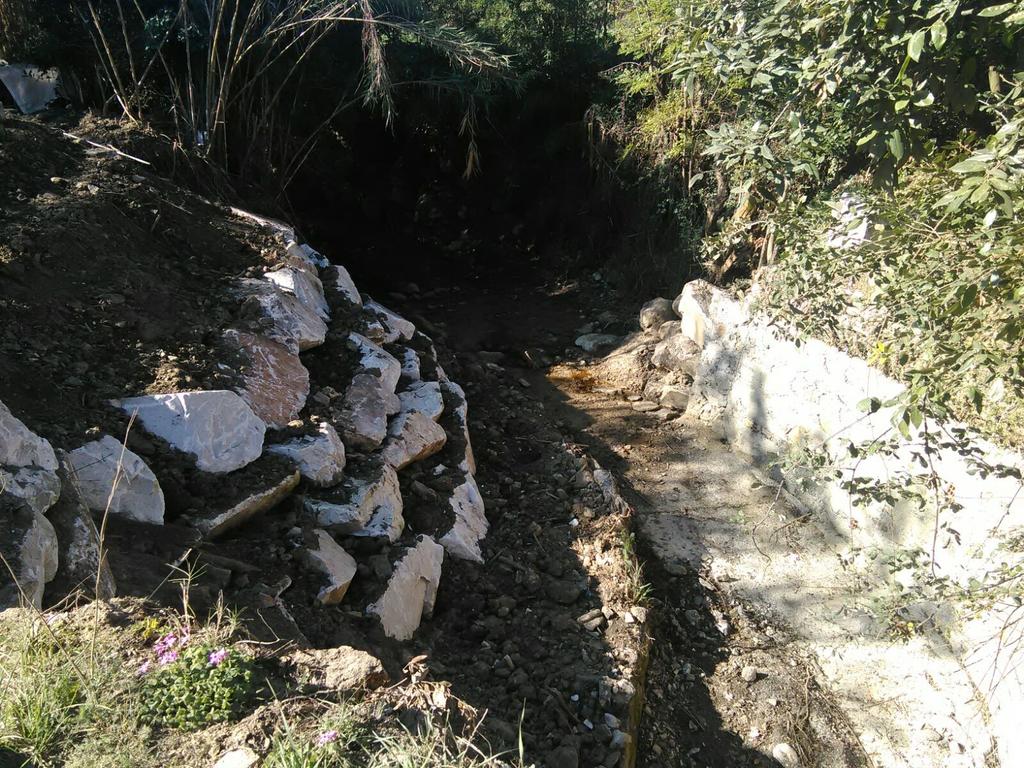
{"x": 80, "y": 565}
{"x": 338, "y": 281}
{"x": 396, "y": 326}
{"x": 411, "y": 590}
{"x": 21, "y": 447}
{"x": 350, "y": 507}
{"x": 28, "y": 464}
{"x": 320, "y": 457}
{"x": 39, "y": 488}
{"x": 410, "y": 365}
{"x": 286, "y": 319}
{"x": 693, "y": 307}
{"x": 275, "y": 383}
{"x": 470, "y": 526}
{"x": 412, "y": 436}
{"x": 28, "y": 544}
{"x": 370, "y": 397}
{"x": 461, "y": 414}
{"x": 423, "y": 397}
{"x": 137, "y": 495}
{"x": 217, "y": 427}
{"x": 304, "y": 286}
{"x": 328, "y": 557}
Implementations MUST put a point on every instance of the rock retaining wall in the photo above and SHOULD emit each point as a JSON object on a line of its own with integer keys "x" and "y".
{"x": 381, "y": 404}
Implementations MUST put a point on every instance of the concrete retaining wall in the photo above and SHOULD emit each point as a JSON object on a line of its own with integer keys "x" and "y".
{"x": 771, "y": 396}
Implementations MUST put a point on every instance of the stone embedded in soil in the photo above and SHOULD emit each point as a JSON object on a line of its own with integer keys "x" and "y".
{"x": 655, "y": 312}
{"x": 424, "y": 397}
{"x": 339, "y": 670}
{"x": 304, "y": 286}
{"x": 411, "y": 590}
{"x": 320, "y": 457}
{"x": 242, "y": 757}
{"x": 29, "y": 546}
{"x": 328, "y": 557}
{"x": 593, "y": 343}
{"x": 373, "y": 357}
{"x": 275, "y": 382}
{"x": 338, "y": 281}
{"x": 412, "y": 436}
{"x": 396, "y": 327}
{"x": 137, "y": 495}
{"x": 217, "y": 427}
{"x": 79, "y": 565}
{"x": 350, "y": 507}
{"x": 470, "y": 526}
{"x": 216, "y": 523}
{"x": 282, "y": 316}
{"x": 786, "y": 755}
{"x": 276, "y": 226}
{"x": 676, "y": 398}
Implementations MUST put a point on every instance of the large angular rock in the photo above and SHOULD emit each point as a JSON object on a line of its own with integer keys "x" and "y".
{"x": 320, "y": 458}
{"x": 397, "y": 327}
{"x": 677, "y": 353}
{"x": 275, "y": 383}
{"x": 283, "y": 317}
{"x": 217, "y": 427}
{"x": 214, "y": 524}
{"x": 327, "y": 556}
{"x": 21, "y": 447}
{"x": 137, "y": 495}
{"x": 412, "y": 436}
{"x": 373, "y": 357}
{"x": 350, "y": 508}
{"x": 655, "y": 312}
{"x": 424, "y": 397}
{"x": 411, "y": 590}
{"x": 27, "y": 463}
{"x": 28, "y": 544}
{"x": 370, "y": 397}
{"x": 338, "y": 281}
{"x": 81, "y": 565}
{"x": 470, "y": 526}
{"x": 339, "y": 669}
{"x": 461, "y": 413}
{"x": 304, "y": 286}
{"x": 363, "y": 420}
{"x": 39, "y": 488}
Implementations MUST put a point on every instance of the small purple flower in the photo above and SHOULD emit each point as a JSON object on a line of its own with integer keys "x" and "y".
{"x": 217, "y": 657}
{"x": 327, "y": 737}
{"x": 144, "y": 668}
{"x": 165, "y": 643}
{"x": 167, "y": 657}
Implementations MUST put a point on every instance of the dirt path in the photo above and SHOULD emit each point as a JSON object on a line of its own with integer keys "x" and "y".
{"x": 724, "y": 685}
